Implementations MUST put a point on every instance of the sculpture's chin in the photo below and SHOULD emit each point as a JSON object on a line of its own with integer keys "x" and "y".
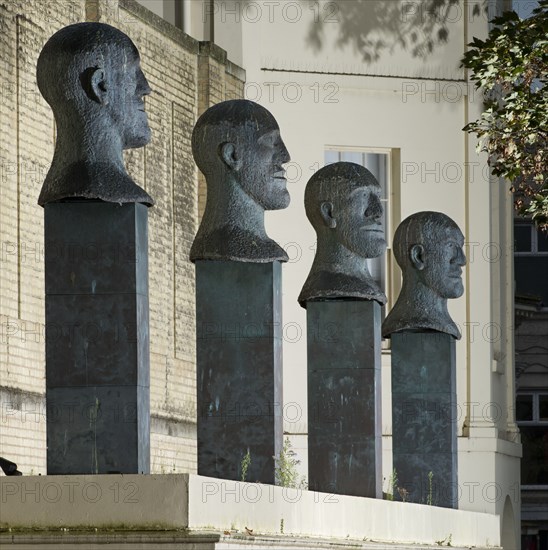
{"x": 137, "y": 133}
{"x": 371, "y": 247}
{"x": 459, "y": 291}
{"x": 138, "y": 141}
{"x": 281, "y": 200}
{"x": 454, "y": 291}
{"x": 378, "y": 248}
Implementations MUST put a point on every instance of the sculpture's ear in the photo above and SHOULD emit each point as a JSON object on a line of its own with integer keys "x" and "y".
{"x": 230, "y": 156}
{"x": 416, "y": 254}
{"x": 326, "y": 210}
{"x": 94, "y": 84}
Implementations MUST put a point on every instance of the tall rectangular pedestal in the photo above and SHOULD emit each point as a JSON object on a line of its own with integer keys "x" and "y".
{"x": 97, "y": 338}
{"x": 239, "y": 368}
{"x": 424, "y": 418}
{"x": 344, "y": 397}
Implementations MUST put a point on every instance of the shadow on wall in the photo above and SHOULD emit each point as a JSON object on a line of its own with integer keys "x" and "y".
{"x": 375, "y": 26}
{"x": 372, "y": 27}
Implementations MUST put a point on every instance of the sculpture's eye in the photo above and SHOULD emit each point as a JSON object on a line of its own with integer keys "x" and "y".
{"x": 454, "y": 250}
{"x": 269, "y": 140}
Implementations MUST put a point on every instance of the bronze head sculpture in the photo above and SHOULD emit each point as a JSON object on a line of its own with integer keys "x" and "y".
{"x": 428, "y": 248}
{"x": 342, "y": 202}
{"x": 237, "y": 146}
{"x": 90, "y": 75}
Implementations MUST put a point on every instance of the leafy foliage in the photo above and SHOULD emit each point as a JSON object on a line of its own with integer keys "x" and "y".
{"x": 430, "y": 496}
{"x": 511, "y": 66}
{"x": 286, "y": 468}
{"x": 392, "y": 485}
{"x": 244, "y": 466}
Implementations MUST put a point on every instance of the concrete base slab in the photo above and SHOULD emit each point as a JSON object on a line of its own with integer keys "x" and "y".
{"x": 38, "y": 509}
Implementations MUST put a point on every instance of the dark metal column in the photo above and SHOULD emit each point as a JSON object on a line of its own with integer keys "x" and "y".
{"x": 424, "y": 417}
{"x": 344, "y": 397}
{"x": 239, "y": 368}
{"x": 97, "y": 338}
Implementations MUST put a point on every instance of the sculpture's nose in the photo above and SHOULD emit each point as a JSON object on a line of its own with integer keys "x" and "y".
{"x": 143, "y": 87}
{"x": 461, "y": 257}
{"x": 284, "y": 154}
{"x": 374, "y": 209}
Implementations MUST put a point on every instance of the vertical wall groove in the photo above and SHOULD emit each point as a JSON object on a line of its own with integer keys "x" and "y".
{"x": 173, "y": 229}
{"x": 18, "y": 159}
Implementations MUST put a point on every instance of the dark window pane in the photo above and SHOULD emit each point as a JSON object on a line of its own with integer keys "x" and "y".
{"x": 529, "y": 542}
{"x": 531, "y": 273}
{"x": 542, "y": 240}
{"x": 543, "y": 407}
{"x": 524, "y": 407}
{"x": 534, "y": 464}
{"x": 522, "y": 238}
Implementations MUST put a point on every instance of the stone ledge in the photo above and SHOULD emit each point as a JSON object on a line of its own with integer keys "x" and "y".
{"x": 115, "y": 540}
{"x": 195, "y": 541}
{"x": 215, "y": 52}
{"x": 198, "y": 505}
{"x": 161, "y": 25}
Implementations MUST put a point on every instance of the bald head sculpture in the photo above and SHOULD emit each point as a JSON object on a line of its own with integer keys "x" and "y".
{"x": 342, "y": 202}
{"x": 428, "y": 249}
{"x": 237, "y": 146}
{"x": 90, "y": 74}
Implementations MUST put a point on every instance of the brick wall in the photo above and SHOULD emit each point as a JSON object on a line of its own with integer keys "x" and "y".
{"x": 174, "y": 65}
{"x": 221, "y": 80}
